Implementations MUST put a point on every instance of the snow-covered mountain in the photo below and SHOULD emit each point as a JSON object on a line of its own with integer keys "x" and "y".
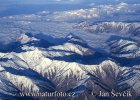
{"x": 79, "y": 52}
{"x": 60, "y": 67}
{"x": 110, "y": 27}
{"x": 125, "y": 48}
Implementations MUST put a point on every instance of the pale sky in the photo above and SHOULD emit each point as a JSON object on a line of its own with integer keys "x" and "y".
{"x": 10, "y": 2}
{"x": 9, "y": 7}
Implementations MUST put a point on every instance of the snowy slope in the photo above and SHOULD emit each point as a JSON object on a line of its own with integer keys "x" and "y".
{"x": 125, "y": 48}
{"x": 110, "y": 27}
{"x": 101, "y": 53}
{"x": 36, "y": 69}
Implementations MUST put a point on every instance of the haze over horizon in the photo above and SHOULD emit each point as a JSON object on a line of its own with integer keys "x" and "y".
{"x": 13, "y": 7}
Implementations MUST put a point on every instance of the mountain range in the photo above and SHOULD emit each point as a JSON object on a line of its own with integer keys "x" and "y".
{"x": 37, "y": 65}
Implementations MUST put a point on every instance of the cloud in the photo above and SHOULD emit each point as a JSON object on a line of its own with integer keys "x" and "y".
{"x": 121, "y": 11}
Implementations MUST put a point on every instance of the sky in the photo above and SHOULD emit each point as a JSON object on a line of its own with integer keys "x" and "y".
{"x": 6, "y": 3}
{"x": 11, "y": 7}
{"x": 9, "y": 2}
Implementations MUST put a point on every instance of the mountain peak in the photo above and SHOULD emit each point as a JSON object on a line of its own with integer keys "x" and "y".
{"x": 71, "y": 38}
{"x": 26, "y": 38}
